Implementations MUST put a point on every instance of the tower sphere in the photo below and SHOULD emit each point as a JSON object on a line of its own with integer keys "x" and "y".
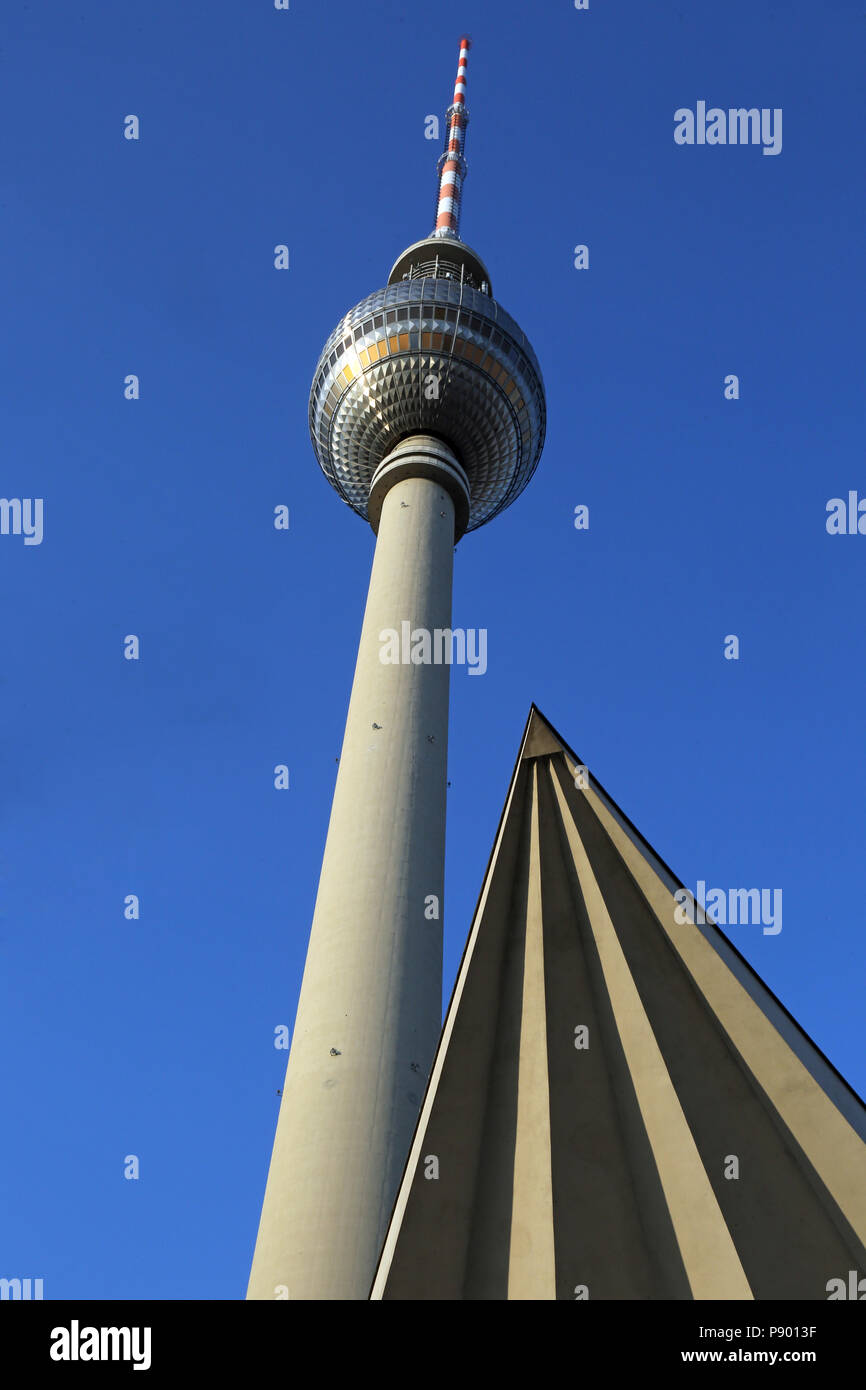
{"x": 431, "y": 353}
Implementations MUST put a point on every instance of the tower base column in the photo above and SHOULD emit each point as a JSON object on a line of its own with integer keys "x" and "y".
{"x": 369, "y": 1012}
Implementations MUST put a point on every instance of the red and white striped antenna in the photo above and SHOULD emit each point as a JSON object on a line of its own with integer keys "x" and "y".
{"x": 452, "y": 165}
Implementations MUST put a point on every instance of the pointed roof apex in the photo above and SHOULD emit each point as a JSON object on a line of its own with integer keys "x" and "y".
{"x": 540, "y": 738}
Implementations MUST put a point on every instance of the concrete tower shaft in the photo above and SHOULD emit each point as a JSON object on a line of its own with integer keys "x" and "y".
{"x": 369, "y": 1014}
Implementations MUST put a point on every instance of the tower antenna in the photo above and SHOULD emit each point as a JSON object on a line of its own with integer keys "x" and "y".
{"x": 452, "y": 166}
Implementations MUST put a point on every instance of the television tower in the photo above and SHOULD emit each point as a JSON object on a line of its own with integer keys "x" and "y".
{"x": 427, "y": 416}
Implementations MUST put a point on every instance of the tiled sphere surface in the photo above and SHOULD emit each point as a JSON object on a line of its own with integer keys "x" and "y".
{"x": 429, "y": 356}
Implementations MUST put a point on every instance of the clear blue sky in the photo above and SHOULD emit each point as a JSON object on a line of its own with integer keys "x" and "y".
{"x": 707, "y": 517}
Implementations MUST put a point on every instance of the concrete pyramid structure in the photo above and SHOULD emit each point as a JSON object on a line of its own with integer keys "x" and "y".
{"x": 618, "y": 1108}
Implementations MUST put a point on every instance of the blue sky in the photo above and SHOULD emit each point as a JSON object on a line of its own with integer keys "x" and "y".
{"x": 707, "y": 517}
